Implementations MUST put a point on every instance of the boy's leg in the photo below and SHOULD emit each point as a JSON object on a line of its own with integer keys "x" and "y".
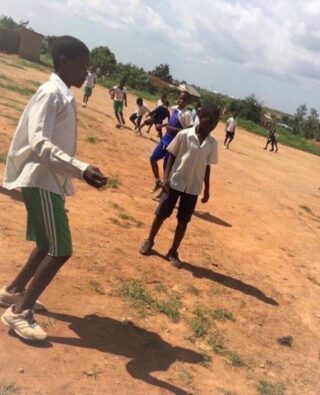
{"x": 122, "y": 118}
{"x": 18, "y": 285}
{"x": 226, "y": 139}
{"x": 163, "y": 211}
{"x": 132, "y": 118}
{"x": 186, "y": 208}
{"x": 42, "y": 278}
{"x": 231, "y": 137}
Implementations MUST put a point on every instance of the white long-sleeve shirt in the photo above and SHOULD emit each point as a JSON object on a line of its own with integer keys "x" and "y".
{"x": 44, "y": 144}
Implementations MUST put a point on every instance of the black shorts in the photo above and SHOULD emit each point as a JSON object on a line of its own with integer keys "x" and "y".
{"x": 135, "y": 117}
{"x": 168, "y": 201}
{"x": 230, "y": 135}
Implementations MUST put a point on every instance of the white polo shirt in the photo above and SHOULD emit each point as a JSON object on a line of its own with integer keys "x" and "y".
{"x": 231, "y": 125}
{"x": 90, "y": 80}
{"x": 119, "y": 93}
{"x": 189, "y": 168}
{"x": 43, "y": 147}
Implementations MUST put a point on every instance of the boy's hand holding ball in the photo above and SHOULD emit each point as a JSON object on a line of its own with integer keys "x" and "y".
{"x": 93, "y": 176}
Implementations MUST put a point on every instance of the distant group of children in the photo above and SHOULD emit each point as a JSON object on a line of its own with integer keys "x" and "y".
{"x": 41, "y": 162}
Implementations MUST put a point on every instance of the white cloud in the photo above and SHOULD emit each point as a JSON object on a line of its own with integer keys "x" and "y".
{"x": 280, "y": 39}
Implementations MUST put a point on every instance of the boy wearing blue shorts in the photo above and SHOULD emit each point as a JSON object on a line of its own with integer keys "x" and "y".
{"x": 41, "y": 162}
{"x": 180, "y": 118}
{"x": 191, "y": 153}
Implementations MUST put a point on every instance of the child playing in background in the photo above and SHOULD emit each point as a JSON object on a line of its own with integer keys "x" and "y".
{"x": 119, "y": 95}
{"x": 136, "y": 117}
{"x": 191, "y": 153}
{"x": 272, "y": 139}
{"x": 156, "y": 117}
{"x": 89, "y": 84}
{"x": 41, "y": 162}
{"x": 230, "y": 130}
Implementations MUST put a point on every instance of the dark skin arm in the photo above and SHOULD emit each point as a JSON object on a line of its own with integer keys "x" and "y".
{"x": 125, "y": 99}
{"x": 206, "y": 185}
{"x": 165, "y": 184}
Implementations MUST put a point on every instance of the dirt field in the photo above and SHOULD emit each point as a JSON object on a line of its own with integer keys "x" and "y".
{"x": 251, "y": 273}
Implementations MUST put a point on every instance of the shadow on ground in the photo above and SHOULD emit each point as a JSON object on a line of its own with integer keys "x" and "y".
{"x": 211, "y": 218}
{"x": 225, "y": 280}
{"x": 147, "y": 350}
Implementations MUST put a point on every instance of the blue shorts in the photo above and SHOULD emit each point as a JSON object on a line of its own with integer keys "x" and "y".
{"x": 160, "y": 151}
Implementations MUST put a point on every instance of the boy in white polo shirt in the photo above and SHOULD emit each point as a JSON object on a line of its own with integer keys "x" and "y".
{"x": 119, "y": 95}
{"x": 230, "y": 130}
{"x": 41, "y": 162}
{"x": 89, "y": 84}
{"x": 191, "y": 153}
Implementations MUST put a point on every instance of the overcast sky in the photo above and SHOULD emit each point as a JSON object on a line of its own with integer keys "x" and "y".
{"x": 270, "y": 48}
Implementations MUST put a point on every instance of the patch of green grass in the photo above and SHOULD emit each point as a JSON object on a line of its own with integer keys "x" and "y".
{"x": 10, "y": 64}
{"x": 11, "y": 106}
{"x": 141, "y": 299}
{"x": 13, "y": 87}
{"x": 46, "y": 60}
{"x": 193, "y": 290}
{"x": 3, "y": 158}
{"x": 11, "y": 117}
{"x": 31, "y": 65}
{"x": 222, "y": 314}
{"x": 34, "y": 84}
{"x": 115, "y": 221}
{"x": 113, "y": 182}
{"x": 234, "y": 359}
{"x": 266, "y": 388}
{"x": 185, "y": 376}
{"x": 4, "y": 77}
{"x": 9, "y": 389}
{"x": 170, "y": 307}
{"x": 199, "y": 324}
{"x": 92, "y": 139}
{"x": 96, "y": 287}
{"x": 126, "y": 217}
{"x": 216, "y": 343}
{"x": 161, "y": 288}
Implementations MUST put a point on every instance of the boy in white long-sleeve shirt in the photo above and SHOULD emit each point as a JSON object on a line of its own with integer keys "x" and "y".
{"x": 41, "y": 162}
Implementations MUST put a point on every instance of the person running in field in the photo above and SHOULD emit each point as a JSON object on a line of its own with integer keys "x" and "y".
{"x": 180, "y": 118}
{"x": 41, "y": 162}
{"x": 119, "y": 95}
{"x": 230, "y": 130}
{"x": 136, "y": 117}
{"x": 89, "y": 84}
{"x": 191, "y": 153}
{"x": 156, "y": 117}
{"x": 272, "y": 139}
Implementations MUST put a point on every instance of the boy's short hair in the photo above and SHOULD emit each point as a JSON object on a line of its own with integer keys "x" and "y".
{"x": 67, "y": 46}
{"x": 167, "y": 104}
{"x": 139, "y": 100}
{"x": 214, "y": 112}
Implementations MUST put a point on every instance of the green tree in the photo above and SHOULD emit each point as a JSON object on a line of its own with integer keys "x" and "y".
{"x": 251, "y": 108}
{"x": 311, "y": 124}
{"x": 9, "y": 23}
{"x": 47, "y": 43}
{"x": 163, "y": 72}
{"x": 104, "y": 59}
{"x": 299, "y": 119}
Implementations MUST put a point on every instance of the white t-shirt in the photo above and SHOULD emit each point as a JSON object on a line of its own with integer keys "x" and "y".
{"x": 231, "y": 125}
{"x": 90, "y": 80}
{"x": 189, "y": 168}
{"x": 159, "y": 103}
{"x": 142, "y": 110}
{"x": 119, "y": 93}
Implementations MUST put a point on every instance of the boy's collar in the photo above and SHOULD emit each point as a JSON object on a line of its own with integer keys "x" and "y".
{"x": 62, "y": 86}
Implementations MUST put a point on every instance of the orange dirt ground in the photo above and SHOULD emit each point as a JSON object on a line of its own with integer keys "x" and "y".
{"x": 253, "y": 249}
